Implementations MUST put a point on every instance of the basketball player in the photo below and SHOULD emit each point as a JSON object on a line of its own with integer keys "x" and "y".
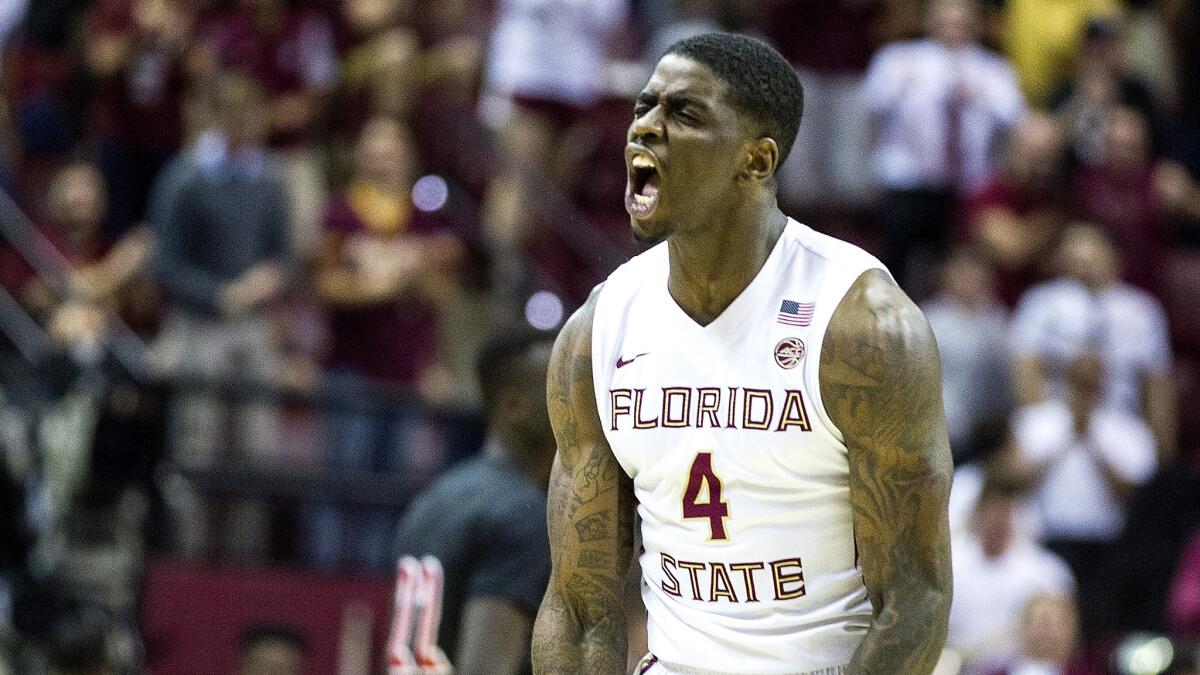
{"x": 483, "y": 519}
{"x": 765, "y": 395}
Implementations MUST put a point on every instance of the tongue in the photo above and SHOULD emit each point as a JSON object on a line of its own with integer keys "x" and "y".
{"x": 650, "y": 189}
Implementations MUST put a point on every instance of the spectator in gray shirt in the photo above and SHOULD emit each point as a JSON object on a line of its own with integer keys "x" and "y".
{"x": 971, "y": 327}
{"x": 220, "y": 213}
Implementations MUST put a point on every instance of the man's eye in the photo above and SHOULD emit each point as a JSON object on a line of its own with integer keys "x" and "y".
{"x": 688, "y": 117}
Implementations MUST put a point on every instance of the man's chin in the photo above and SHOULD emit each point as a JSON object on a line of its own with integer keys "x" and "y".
{"x": 649, "y": 233}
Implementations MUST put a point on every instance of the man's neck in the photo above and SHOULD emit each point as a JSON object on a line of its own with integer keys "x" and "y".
{"x": 1097, "y": 286}
{"x": 1081, "y": 412}
{"x": 499, "y": 447}
{"x": 711, "y": 266}
{"x": 969, "y": 304}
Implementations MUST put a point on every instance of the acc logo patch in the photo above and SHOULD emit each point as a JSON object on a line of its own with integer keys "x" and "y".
{"x": 788, "y": 352}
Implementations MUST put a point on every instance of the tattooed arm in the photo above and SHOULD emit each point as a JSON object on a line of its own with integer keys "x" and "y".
{"x": 881, "y": 383}
{"x": 580, "y": 627}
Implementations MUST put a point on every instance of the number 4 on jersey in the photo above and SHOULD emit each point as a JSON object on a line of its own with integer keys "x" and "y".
{"x": 701, "y": 474}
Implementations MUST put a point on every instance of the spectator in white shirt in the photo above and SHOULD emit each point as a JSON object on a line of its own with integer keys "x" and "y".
{"x": 998, "y": 572}
{"x": 937, "y": 107}
{"x": 546, "y": 68}
{"x": 552, "y": 51}
{"x": 1090, "y": 308}
{"x": 1087, "y": 461}
{"x": 971, "y": 327}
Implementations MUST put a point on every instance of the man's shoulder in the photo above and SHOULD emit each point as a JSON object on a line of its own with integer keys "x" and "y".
{"x": 476, "y": 491}
{"x": 833, "y": 251}
{"x": 1121, "y": 427}
{"x": 1046, "y": 412}
{"x": 875, "y": 306}
{"x": 573, "y": 347}
{"x": 482, "y": 474}
{"x": 1052, "y": 292}
{"x": 902, "y": 49}
{"x": 180, "y": 170}
{"x": 442, "y": 492}
{"x": 1042, "y": 567}
{"x": 1135, "y": 299}
{"x": 878, "y": 345}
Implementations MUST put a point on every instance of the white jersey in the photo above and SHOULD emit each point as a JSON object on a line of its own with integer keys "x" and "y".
{"x": 749, "y": 562}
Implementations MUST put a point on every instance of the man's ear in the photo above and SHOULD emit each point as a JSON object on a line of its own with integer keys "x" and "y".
{"x": 762, "y": 159}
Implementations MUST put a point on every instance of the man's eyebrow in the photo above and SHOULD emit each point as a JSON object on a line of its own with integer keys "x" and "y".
{"x": 677, "y": 100}
{"x": 683, "y": 100}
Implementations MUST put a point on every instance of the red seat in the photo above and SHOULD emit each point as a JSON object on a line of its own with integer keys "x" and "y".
{"x": 192, "y": 616}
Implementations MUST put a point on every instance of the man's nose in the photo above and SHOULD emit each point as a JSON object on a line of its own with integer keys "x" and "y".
{"x": 647, "y": 126}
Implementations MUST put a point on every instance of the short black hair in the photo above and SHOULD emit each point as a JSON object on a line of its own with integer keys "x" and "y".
{"x": 759, "y": 80}
{"x": 499, "y": 359}
{"x": 266, "y": 633}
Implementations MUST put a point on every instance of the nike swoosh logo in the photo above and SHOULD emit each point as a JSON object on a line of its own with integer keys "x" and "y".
{"x": 621, "y": 363}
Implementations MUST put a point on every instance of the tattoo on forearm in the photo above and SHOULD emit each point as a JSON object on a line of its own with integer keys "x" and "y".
{"x": 880, "y": 382}
{"x": 581, "y": 625}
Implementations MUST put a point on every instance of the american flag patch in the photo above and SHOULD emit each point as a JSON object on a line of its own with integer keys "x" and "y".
{"x": 792, "y": 313}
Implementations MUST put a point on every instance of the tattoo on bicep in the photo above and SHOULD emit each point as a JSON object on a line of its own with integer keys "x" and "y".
{"x": 880, "y": 382}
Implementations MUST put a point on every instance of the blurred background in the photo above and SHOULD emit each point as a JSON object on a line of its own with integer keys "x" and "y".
{"x": 250, "y": 248}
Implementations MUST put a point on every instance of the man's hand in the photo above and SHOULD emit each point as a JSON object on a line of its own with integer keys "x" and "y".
{"x": 1176, "y": 189}
{"x": 259, "y": 285}
{"x": 77, "y": 324}
{"x": 387, "y": 268}
{"x": 580, "y": 627}
{"x": 881, "y": 383}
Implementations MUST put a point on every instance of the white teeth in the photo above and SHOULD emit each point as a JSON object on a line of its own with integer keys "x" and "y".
{"x": 642, "y": 199}
{"x": 641, "y": 162}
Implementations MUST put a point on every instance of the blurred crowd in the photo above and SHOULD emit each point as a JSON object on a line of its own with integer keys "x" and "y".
{"x": 250, "y": 249}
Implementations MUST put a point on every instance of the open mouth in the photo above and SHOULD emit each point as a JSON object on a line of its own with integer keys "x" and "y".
{"x": 641, "y": 192}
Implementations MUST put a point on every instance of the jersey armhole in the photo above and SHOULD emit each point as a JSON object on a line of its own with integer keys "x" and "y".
{"x": 603, "y": 363}
{"x": 812, "y": 377}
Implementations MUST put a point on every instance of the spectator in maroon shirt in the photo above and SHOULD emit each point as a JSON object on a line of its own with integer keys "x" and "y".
{"x": 420, "y": 61}
{"x": 134, "y": 60}
{"x": 290, "y": 52}
{"x": 454, "y": 141}
{"x": 1120, "y": 195}
{"x": 102, "y": 277}
{"x": 377, "y": 256}
{"x": 381, "y": 264}
{"x": 42, "y": 96}
{"x": 1018, "y": 214}
{"x": 379, "y": 51}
